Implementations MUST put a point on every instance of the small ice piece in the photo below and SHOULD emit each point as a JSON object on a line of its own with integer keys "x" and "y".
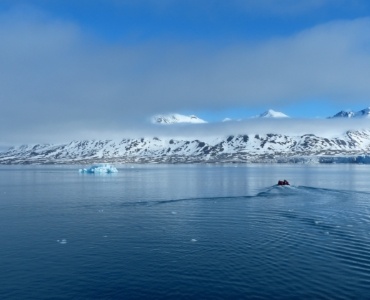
{"x": 174, "y": 212}
{"x": 62, "y": 241}
{"x": 193, "y": 240}
{"x": 99, "y": 169}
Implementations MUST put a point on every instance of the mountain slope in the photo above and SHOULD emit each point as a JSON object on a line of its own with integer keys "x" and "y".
{"x": 239, "y": 148}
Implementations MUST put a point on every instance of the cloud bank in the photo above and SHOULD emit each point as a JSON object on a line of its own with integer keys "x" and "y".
{"x": 58, "y": 82}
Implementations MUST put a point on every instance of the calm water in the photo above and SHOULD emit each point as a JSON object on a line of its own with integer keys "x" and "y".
{"x": 185, "y": 231}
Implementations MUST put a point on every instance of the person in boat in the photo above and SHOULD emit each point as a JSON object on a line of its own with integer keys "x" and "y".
{"x": 283, "y": 182}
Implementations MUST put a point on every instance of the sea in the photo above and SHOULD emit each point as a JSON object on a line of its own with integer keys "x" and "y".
{"x": 200, "y": 231}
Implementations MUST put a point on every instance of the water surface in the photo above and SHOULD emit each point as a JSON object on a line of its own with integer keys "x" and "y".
{"x": 185, "y": 231}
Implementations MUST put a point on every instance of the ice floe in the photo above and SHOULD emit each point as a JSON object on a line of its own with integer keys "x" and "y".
{"x": 99, "y": 168}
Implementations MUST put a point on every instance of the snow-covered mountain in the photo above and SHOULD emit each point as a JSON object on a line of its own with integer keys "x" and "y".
{"x": 353, "y": 146}
{"x": 364, "y": 113}
{"x": 176, "y": 118}
{"x": 273, "y": 114}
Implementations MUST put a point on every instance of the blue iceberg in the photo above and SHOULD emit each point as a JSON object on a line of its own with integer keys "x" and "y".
{"x": 99, "y": 168}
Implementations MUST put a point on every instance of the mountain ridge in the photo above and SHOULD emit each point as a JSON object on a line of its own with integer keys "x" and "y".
{"x": 364, "y": 113}
{"x": 352, "y": 146}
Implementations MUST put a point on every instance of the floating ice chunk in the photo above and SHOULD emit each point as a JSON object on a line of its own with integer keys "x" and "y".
{"x": 62, "y": 241}
{"x": 99, "y": 168}
{"x": 193, "y": 240}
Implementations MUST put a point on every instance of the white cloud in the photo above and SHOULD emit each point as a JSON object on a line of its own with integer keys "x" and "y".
{"x": 292, "y": 127}
{"x": 55, "y": 79}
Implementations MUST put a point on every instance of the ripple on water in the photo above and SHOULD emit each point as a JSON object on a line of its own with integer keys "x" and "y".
{"x": 294, "y": 242}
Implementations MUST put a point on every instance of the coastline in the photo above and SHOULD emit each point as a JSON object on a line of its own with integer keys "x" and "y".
{"x": 230, "y": 159}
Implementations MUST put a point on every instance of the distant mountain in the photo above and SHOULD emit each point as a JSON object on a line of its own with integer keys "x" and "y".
{"x": 343, "y": 114}
{"x": 364, "y": 113}
{"x": 176, "y": 118}
{"x": 350, "y": 147}
{"x": 273, "y": 114}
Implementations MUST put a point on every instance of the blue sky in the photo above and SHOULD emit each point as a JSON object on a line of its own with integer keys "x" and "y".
{"x": 89, "y": 67}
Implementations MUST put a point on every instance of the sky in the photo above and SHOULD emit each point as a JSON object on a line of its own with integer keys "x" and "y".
{"x": 79, "y": 69}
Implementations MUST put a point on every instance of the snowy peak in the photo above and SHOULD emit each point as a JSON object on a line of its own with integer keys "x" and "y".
{"x": 273, "y": 114}
{"x": 176, "y": 118}
{"x": 364, "y": 113}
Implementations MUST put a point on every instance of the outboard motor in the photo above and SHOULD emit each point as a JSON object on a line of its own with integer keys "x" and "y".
{"x": 283, "y": 182}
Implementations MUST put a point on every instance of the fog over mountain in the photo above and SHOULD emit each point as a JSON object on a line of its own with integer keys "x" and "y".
{"x": 195, "y": 127}
{"x": 65, "y": 76}
{"x": 273, "y": 114}
{"x": 176, "y": 118}
{"x": 250, "y": 140}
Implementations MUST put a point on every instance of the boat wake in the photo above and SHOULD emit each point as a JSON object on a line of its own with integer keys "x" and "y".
{"x": 275, "y": 193}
